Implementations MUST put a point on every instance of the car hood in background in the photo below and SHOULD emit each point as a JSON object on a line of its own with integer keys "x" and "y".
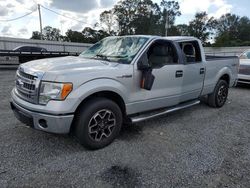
{"x": 245, "y": 62}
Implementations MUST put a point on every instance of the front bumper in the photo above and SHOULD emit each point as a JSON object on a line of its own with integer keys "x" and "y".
{"x": 244, "y": 79}
{"x": 59, "y": 124}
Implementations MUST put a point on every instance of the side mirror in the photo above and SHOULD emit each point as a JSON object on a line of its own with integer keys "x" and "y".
{"x": 143, "y": 66}
{"x": 143, "y": 63}
{"x": 147, "y": 78}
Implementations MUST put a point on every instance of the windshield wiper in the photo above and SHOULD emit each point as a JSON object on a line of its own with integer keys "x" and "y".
{"x": 104, "y": 57}
{"x": 119, "y": 56}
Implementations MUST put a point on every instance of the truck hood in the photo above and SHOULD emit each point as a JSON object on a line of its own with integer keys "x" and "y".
{"x": 77, "y": 70}
{"x": 245, "y": 62}
{"x": 62, "y": 64}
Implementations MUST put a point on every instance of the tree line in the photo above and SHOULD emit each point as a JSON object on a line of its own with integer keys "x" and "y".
{"x": 144, "y": 17}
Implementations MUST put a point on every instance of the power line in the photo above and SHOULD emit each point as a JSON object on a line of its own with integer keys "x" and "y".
{"x": 13, "y": 19}
{"x": 63, "y": 15}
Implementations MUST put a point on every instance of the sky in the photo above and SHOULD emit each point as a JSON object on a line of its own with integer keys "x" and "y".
{"x": 88, "y": 11}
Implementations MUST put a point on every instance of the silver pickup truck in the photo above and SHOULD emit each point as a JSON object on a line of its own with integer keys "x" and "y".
{"x": 119, "y": 80}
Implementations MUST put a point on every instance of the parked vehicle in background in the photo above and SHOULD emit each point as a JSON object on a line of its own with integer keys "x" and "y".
{"x": 29, "y": 49}
{"x": 244, "y": 69}
{"x": 117, "y": 80}
{"x": 245, "y": 55}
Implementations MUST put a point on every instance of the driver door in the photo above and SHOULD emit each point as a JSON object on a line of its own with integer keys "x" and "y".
{"x": 162, "y": 55}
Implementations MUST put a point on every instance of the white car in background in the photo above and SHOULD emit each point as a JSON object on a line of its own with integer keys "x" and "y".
{"x": 244, "y": 69}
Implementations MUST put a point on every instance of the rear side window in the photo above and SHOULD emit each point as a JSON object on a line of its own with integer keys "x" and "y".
{"x": 191, "y": 50}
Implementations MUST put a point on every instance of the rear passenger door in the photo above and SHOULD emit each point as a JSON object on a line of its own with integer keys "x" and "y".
{"x": 193, "y": 72}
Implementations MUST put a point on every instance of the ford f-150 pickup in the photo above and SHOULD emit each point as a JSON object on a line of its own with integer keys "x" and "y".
{"x": 119, "y": 80}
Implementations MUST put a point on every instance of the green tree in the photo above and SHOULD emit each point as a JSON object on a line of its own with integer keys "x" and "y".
{"x": 244, "y": 29}
{"x": 108, "y": 20}
{"x": 201, "y": 26}
{"x": 50, "y": 33}
{"x": 169, "y": 14}
{"x": 232, "y": 30}
{"x": 74, "y": 36}
{"x": 88, "y": 35}
{"x": 124, "y": 11}
{"x": 36, "y": 35}
{"x": 137, "y": 17}
{"x": 144, "y": 16}
{"x": 147, "y": 18}
{"x": 92, "y": 35}
{"x": 183, "y": 30}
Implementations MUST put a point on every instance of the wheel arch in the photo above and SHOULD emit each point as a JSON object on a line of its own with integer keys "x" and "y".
{"x": 224, "y": 74}
{"x": 111, "y": 95}
{"x": 225, "y": 77}
{"x": 108, "y": 95}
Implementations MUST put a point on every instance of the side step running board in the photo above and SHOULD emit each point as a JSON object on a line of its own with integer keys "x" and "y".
{"x": 154, "y": 114}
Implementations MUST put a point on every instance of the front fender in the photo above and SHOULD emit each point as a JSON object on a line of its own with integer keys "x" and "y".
{"x": 98, "y": 85}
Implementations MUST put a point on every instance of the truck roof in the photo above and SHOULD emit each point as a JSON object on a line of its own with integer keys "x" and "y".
{"x": 178, "y": 38}
{"x": 172, "y": 38}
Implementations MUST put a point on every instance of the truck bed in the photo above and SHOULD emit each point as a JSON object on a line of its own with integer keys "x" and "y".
{"x": 214, "y": 64}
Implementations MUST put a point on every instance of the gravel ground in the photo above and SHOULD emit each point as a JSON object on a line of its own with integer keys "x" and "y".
{"x": 195, "y": 147}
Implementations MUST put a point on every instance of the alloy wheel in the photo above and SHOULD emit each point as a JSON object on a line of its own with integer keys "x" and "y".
{"x": 101, "y": 125}
{"x": 222, "y": 94}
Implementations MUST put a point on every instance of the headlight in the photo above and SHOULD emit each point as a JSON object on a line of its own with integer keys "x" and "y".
{"x": 54, "y": 91}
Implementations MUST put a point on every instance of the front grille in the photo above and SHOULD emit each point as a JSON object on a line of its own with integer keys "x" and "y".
{"x": 29, "y": 86}
{"x": 25, "y": 75}
{"x": 244, "y": 69}
{"x": 26, "y": 86}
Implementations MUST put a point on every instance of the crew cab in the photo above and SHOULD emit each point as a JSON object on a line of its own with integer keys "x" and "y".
{"x": 119, "y": 80}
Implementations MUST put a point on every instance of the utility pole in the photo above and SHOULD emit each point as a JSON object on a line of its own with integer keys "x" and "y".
{"x": 40, "y": 19}
{"x": 166, "y": 27}
{"x": 166, "y": 24}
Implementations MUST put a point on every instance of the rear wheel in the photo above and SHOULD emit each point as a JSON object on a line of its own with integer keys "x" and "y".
{"x": 98, "y": 123}
{"x": 219, "y": 97}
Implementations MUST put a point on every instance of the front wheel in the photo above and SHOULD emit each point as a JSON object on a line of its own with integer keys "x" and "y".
{"x": 219, "y": 97}
{"x": 98, "y": 123}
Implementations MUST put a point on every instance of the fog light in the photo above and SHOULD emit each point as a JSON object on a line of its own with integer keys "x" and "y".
{"x": 43, "y": 123}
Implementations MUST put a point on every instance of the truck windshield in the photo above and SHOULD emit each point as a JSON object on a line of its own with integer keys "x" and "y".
{"x": 116, "y": 49}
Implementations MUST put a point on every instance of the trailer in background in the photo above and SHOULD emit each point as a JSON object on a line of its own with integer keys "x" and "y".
{"x": 10, "y": 57}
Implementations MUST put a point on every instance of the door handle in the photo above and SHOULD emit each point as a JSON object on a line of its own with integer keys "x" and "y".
{"x": 179, "y": 73}
{"x": 202, "y": 71}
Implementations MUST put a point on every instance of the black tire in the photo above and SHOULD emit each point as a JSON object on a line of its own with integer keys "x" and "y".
{"x": 219, "y": 97}
{"x": 98, "y": 123}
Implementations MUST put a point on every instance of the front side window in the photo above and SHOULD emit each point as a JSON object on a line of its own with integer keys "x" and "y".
{"x": 162, "y": 53}
{"x": 116, "y": 49}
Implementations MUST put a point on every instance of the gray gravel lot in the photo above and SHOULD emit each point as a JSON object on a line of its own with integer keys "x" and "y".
{"x": 195, "y": 147}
